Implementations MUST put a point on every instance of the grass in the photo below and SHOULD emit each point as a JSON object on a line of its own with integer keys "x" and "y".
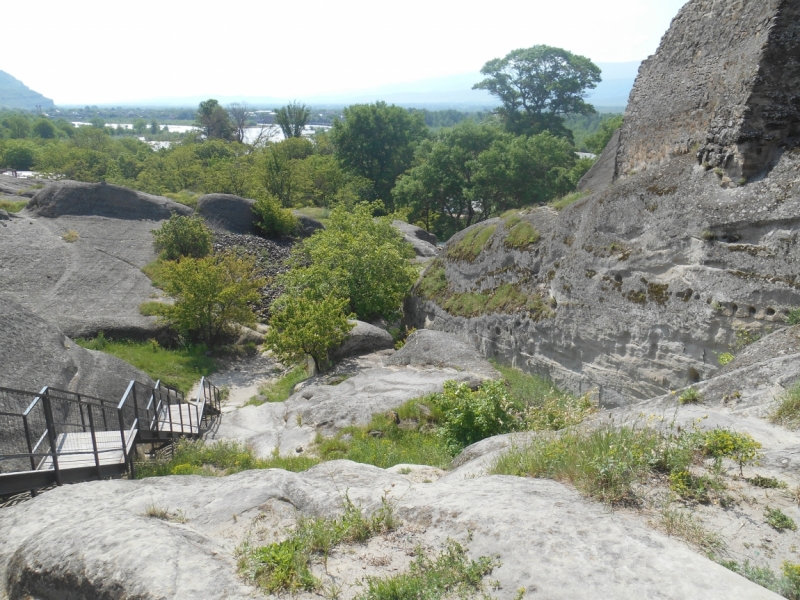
{"x": 521, "y": 236}
{"x": 155, "y": 272}
{"x": 180, "y": 368}
{"x": 690, "y": 396}
{"x": 184, "y": 197}
{"x": 320, "y": 214}
{"x": 725, "y": 358}
{"x": 70, "y": 236}
{"x": 155, "y": 511}
{"x": 683, "y": 525}
{"x": 778, "y": 520}
{"x": 565, "y": 201}
{"x": 280, "y": 390}
{"x": 793, "y": 318}
{"x": 787, "y": 412}
{"x": 451, "y": 574}
{"x": 433, "y": 283}
{"x": 767, "y": 482}
{"x": 608, "y": 463}
{"x": 508, "y": 298}
{"x": 12, "y": 206}
{"x": 220, "y": 458}
{"x": 786, "y": 585}
{"x": 151, "y": 308}
{"x": 469, "y": 247}
{"x": 286, "y": 566}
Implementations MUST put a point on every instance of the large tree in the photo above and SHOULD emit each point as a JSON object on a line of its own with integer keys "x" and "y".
{"x": 292, "y": 119}
{"x": 214, "y": 120}
{"x": 537, "y": 86}
{"x": 377, "y": 141}
{"x": 240, "y": 116}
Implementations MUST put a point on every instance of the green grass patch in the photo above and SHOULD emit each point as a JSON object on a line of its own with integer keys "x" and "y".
{"x": 219, "y": 458}
{"x": 433, "y": 283}
{"x": 151, "y": 308}
{"x": 606, "y": 463}
{"x": 469, "y": 247}
{"x": 521, "y": 236}
{"x": 286, "y": 566}
{"x": 184, "y": 197}
{"x": 12, "y": 206}
{"x": 280, "y": 390}
{"x": 565, "y": 201}
{"x": 793, "y": 318}
{"x": 787, "y": 412}
{"x": 451, "y": 574}
{"x": 786, "y": 585}
{"x": 180, "y": 368}
{"x": 778, "y": 520}
{"x": 155, "y": 272}
{"x": 508, "y": 298}
{"x": 315, "y": 212}
{"x": 690, "y": 396}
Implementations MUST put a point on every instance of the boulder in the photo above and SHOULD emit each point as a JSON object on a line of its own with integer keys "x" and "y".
{"x": 80, "y": 267}
{"x": 307, "y": 225}
{"x": 363, "y": 339}
{"x": 35, "y": 353}
{"x": 538, "y": 530}
{"x": 227, "y": 213}
{"x": 21, "y": 187}
{"x": 424, "y": 243}
{"x": 73, "y": 198}
{"x": 427, "y": 347}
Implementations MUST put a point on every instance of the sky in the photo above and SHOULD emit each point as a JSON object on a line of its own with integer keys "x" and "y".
{"x": 101, "y": 52}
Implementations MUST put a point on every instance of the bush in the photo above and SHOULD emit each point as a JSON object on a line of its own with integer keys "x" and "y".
{"x": 468, "y": 417}
{"x": 305, "y": 326}
{"x": 212, "y": 295}
{"x": 778, "y": 520}
{"x": 725, "y": 358}
{"x": 690, "y": 396}
{"x": 741, "y": 447}
{"x": 357, "y": 257}
{"x": 272, "y": 219}
{"x": 794, "y": 317}
{"x": 787, "y": 412}
{"x": 183, "y": 236}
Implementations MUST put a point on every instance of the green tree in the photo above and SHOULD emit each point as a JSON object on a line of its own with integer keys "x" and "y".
{"x": 356, "y": 257}
{"x": 240, "y": 117}
{"x": 155, "y": 128}
{"x": 214, "y": 120}
{"x": 292, "y": 119}
{"x": 140, "y": 126}
{"x": 599, "y": 140}
{"x": 182, "y": 236}
{"x": 44, "y": 129}
{"x": 212, "y": 295}
{"x": 307, "y": 326}
{"x": 18, "y": 126}
{"x": 537, "y": 86}
{"x": 19, "y": 154}
{"x": 377, "y": 142}
{"x": 98, "y": 122}
{"x": 273, "y": 168}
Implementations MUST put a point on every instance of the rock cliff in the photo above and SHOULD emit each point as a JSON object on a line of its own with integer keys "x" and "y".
{"x": 639, "y": 287}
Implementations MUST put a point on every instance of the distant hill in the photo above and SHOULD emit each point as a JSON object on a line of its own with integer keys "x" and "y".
{"x": 15, "y": 94}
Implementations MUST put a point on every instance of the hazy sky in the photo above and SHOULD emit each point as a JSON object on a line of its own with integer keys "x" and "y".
{"x": 92, "y": 51}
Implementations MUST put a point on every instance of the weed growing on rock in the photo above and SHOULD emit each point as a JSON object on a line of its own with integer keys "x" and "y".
{"x": 779, "y": 521}
{"x": 787, "y": 585}
{"x": 70, "y": 236}
{"x": 722, "y": 443}
{"x": 684, "y": 525}
{"x": 450, "y": 575}
{"x": 793, "y": 318}
{"x": 787, "y": 411}
{"x": 150, "y": 308}
{"x": 690, "y": 396}
{"x": 745, "y": 337}
{"x": 766, "y": 482}
{"x": 154, "y": 511}
{"x": 280, "y": 390}
{"x": 565, "y": 201}
{"x": 725, "y": 358}
{"x": 219, "y": 458}
{"x": 286, "y": 566}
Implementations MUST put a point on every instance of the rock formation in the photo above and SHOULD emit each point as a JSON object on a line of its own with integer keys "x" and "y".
{"x": 639, "y": 287}
{"x": 227, "y": 213}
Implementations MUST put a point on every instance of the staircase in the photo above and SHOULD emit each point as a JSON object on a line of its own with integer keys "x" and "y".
{"x": 55, "y": 437}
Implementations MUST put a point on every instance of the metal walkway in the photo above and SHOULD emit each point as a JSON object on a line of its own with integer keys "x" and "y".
{"x": 56, "y": 437}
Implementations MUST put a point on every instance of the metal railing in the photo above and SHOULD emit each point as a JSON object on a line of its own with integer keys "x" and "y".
{"x": 57, "y": 436}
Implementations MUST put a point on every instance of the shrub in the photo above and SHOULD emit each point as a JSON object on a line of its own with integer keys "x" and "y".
{"x": 70, "y": 236}
{"x": 212, "y": 295}
{"x": 741, "y": 447}
{"x": 793, "y": 317}
{"x": 183, "y": 236}
{"x": 358, "y": 258}
{"x": 19, "y": 154}
{"x": 787, "y": 586}
{"x": 306, "y": 326}
{"x": 690, "y": 396}
{"x": 272, "y": 219}
{"x": 787, "y": 412}
{"x": 468, "y": 417}
{"x": 778, "y": 520}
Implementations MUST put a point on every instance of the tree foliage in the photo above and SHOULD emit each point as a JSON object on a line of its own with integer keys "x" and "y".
{"x": 239, "y": 116}
{"x": 377, "y": 142}
{"x": 306, "y": 325}
{"x": 599, "y": 140}
{"x": 212, "y": 295}
{"x": 183, "y": 236}
{"x": 272, "y": 219}
{"x": 214, "y": 120}
{"x": 356, "y": 257}
{"x": 538, "y": 85}
{"x": 292, "y": 119}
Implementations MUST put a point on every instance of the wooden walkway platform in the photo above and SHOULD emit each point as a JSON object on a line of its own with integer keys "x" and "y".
{"x": 76, "y": 450}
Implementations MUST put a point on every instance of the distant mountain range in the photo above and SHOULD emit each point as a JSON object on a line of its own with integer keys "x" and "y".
{"x": 15, "y": 94}
{"x": 453, "y": 91}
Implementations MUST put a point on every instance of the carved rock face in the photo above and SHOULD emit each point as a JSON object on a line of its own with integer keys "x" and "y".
{"x": 723, "y": 85}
